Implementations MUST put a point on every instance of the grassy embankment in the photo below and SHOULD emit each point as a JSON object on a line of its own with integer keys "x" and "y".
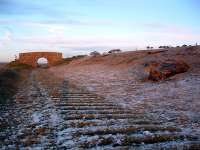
{"x": 66, "y": 61}
{"x": 10, "y": 77}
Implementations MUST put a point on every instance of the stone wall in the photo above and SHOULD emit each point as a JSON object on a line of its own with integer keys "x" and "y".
{"x": 32, "y": 58}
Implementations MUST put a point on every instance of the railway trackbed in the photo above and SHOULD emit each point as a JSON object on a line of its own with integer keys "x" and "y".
{"x": 52, "y": 114}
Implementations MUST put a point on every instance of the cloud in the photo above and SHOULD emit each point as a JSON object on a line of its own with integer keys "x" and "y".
{"x": 170, "y": 34}
{"x": 17, "y": 7}
{"x": 74, "y": 42}
{"x": 44, "y": 9}
{"x": 37, "y": 23}
{"x": 55, "y": 21}
{"x": 7, "y": 38}
{"x": 72, "y": 46}
{"x": 52, "y": 26}
{"x": 55, "y": 27}
{"x": 165, "y": 27}
{"x": 6, "y": 42}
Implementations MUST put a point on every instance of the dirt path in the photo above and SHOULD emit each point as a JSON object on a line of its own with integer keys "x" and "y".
{"x": 49, "y": 113}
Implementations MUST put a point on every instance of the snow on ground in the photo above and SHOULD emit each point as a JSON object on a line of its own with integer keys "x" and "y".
{"x": 36, "y": 118}
{"x": 175, "y": 100}
{"x": 51, "y": 112}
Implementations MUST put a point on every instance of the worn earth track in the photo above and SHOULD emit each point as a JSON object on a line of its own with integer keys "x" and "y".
{"x": 49, "y": 113}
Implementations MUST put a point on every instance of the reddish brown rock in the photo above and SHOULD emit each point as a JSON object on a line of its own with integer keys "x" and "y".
{"x": 41, "y": 131}
{"x": 163, "y": 70}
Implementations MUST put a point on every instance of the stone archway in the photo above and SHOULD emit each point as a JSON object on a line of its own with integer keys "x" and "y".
{"x": 31, "y": 58}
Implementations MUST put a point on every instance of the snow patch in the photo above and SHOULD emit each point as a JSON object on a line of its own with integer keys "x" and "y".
{"x": 36, "y": 117}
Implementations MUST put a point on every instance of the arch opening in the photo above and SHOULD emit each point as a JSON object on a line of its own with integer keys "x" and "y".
{"x": 42, "y": 62}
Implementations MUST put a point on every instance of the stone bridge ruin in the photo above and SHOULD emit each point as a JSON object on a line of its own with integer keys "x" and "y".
{"x": 31, "y": 58}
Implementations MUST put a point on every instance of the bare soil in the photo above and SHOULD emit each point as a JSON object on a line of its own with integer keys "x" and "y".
{"x": 123, "y": 79}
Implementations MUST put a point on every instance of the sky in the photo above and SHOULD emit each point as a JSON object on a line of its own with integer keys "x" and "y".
{"x": 76, "y": 27}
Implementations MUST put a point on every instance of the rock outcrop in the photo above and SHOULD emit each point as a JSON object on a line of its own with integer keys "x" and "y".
{"x": 163, "y": 70}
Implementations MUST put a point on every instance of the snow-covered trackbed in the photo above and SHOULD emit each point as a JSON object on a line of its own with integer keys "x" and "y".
{"x": 50, "y": 113}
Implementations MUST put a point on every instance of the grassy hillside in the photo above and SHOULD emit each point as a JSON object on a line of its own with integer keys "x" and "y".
{"x": 10, "y": 76}
{"x": 2, "y": 65}
{"x": 136, "y": 57}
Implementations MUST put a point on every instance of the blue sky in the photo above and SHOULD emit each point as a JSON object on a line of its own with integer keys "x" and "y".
{"x": 81, "y": 26}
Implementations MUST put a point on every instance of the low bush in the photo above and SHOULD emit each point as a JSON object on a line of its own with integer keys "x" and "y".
{"x": 69, "y": 59}
{"x": 17, "y": 66}
{"x": 8, "y": 85}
